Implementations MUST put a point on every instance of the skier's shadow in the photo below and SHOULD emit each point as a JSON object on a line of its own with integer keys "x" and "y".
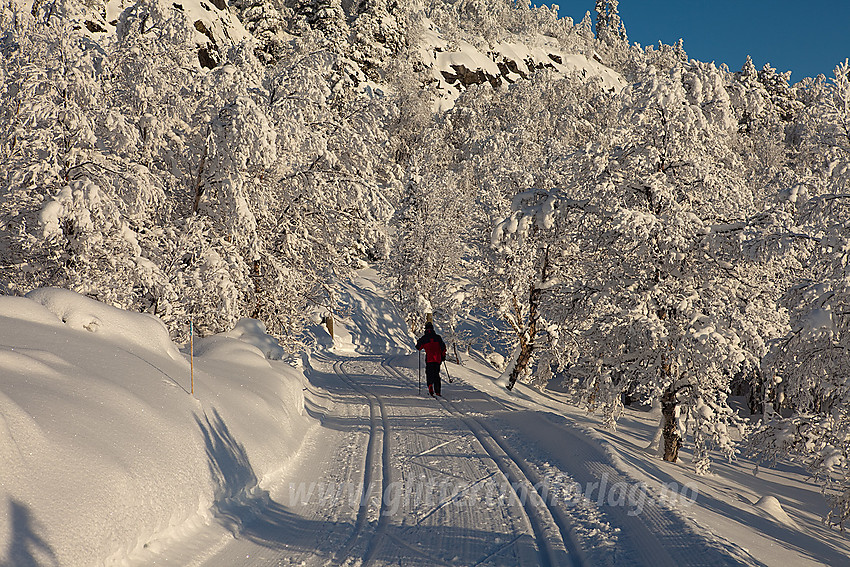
{"x": 26, "y": 548}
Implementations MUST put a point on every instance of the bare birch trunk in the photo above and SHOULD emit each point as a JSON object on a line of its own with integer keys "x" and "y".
{"x": 528, "y": 335}
{"x": 670, "y": 429}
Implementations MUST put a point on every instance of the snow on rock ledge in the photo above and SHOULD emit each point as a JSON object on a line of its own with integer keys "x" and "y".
{"x": 456, "y": 66}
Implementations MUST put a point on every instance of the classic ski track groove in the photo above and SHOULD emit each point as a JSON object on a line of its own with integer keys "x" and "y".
{"x": 539, "y": 514}
{"x": 526, "y": 551}
{"x": 377, "y": 413}
{"x": 672, "y": 547}
{"x": 671, "y": 534}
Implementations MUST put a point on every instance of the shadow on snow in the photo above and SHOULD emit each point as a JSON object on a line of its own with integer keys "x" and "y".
{"x": 26, "y": 547}
{"x": 249, "y": 513}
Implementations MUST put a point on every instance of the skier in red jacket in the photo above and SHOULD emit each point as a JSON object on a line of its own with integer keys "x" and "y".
{"x": 435, "y": 354}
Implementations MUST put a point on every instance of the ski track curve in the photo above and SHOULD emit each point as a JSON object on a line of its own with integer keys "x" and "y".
{"x": 657, "y": 535}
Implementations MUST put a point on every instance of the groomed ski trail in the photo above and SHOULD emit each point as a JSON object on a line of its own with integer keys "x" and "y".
{"x": 555, "y": 542}
{"x": 374, "y": 468}
{"x": 657, "y": 536}
{"x": 390, "y": 477}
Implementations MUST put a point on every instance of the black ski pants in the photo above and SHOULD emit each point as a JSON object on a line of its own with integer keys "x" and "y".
{"x": 432, "y": 376}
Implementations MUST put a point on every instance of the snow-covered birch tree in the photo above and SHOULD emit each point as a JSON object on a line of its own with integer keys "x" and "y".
{"x": 806, "y": 370}
{"x": 670, "y": 309}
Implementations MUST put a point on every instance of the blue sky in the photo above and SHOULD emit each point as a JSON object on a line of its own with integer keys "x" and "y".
{"x": 806, "y": 38}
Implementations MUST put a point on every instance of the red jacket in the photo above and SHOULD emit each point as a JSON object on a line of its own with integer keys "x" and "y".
{"x": 435, "y": 348}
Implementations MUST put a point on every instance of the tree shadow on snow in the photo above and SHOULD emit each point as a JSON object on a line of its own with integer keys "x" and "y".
{"x": 802, "y": 539}
{"x": 281, "y": 527}
{"x": 245, "y": 509}
{"x": 26, "y": 548}
{"x": 250, "y": 514}
{"x": 376, "y": 326}
{"x": 237, "y": 496}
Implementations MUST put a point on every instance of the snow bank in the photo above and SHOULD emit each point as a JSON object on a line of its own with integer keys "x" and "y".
{"x": 82, "y": 313}
{"x": 105, "y": 451}
{"x": 250, "y": 331}
{"x": 770, "y": 506}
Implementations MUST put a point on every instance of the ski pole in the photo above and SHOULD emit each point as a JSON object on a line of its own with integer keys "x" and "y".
{"x": 419, "y": 357}
{"x": 447, "y": 372}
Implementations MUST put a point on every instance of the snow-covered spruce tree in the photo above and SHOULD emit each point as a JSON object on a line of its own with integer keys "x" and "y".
{"x": 763, "y": 99}
{"x": 666, "y": 309}
{"x": 380, "y": 31}
{"x": 323, "y": 21}
{"x": 609, "y": 26}
{"x": 410, "y": 268}
{"x": 267, "y": 22}
{"x": 806, "y": 415}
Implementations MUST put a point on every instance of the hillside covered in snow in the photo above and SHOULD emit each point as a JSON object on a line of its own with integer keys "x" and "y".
{"x": 618, "y": 223}
{"x": 120, "y": 447}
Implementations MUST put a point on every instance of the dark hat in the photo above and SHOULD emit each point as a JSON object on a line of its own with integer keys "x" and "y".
{"x": 429, "y": 325}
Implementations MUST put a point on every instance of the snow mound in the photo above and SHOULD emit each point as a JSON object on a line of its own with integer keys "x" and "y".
{"x": 770, "y": 505}
{"x": 227, "y": 349}
{"x": 254, "y": 333}
{"x": 105, "y": 452}
{"x": 247, "y": 344}
{"x": 496, "y": 360}
{"x": 25, "y": 309}
{"x": 82, "y": 313}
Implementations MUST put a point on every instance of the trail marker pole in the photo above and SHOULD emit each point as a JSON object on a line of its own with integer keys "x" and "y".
{"x": 191, "y": 357}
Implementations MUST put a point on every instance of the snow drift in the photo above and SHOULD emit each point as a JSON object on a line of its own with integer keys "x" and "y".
{"x": 104, "y": 449}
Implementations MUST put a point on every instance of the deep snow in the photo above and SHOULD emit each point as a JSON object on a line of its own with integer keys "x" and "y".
{"x": 107, "y": 458}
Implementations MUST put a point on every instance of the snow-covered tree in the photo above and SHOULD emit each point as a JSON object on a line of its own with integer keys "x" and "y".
{"x": 75, "y": 204}
{"x": 142, "y": 179}
{"x": 267, "y": 22}
{"x": 526, "y": 254}
{"x": 431, "y": 227}
{"x": 609, "y": 26}
{"x": 807, "y": 368}
{"x": 669, "y": 307}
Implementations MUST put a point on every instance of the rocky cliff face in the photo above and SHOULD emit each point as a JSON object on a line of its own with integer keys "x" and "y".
{"x": 454, "y": 66}
{"x": 216, "y": 24}
{"x": 367, "y": 33}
